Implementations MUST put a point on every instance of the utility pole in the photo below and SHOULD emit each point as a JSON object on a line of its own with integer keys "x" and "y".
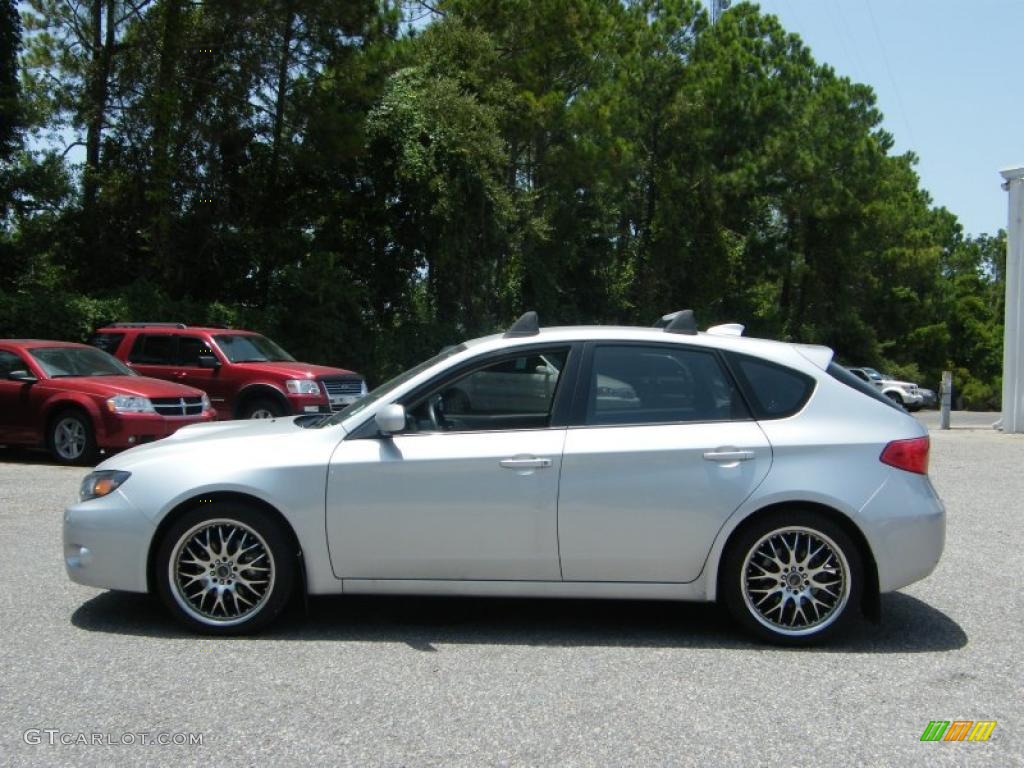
{"x": 1013, "y": 333}
{"x": 717, "y": 8}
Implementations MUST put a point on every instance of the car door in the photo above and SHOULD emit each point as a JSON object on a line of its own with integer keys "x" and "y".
{"x": 664, "y": 450}
{"x": 16, "y": 422}
{"x": 210, "y": 380}
{"x": 465, "y": 495}
{"x": 155, "y": 354}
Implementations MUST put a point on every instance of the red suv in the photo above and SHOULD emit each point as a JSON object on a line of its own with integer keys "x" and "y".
{"x": 74, "y": 400}
{"x": 246, "y": 375}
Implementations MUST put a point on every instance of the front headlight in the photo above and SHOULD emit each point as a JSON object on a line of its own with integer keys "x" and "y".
{"x": 205, "y": 402}
{"x": 129, "y": 404}
{"x": 302, "y": 387}
{"x": 97, "y": 484}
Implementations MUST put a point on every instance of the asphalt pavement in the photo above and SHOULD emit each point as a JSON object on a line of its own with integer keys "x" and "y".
{"x": 473, "y": 682}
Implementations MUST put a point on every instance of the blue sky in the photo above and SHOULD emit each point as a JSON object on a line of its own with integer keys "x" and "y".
{"x": 949, "y": 75}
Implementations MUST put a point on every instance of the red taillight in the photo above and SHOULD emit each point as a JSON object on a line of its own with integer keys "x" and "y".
{"x": 911, "y": 455}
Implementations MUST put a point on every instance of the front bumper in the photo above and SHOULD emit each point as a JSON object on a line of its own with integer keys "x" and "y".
{"x": 106, "y": 543}
{"x": 125, "y": 430}
{"x": 905, "y": 524}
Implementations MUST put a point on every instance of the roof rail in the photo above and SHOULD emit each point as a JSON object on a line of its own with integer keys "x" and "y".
{"x": 166, "y": 325}
{"x": 147, "y": 325}
{"x": 682, "y": 321}
{"x": 527, "y": 325}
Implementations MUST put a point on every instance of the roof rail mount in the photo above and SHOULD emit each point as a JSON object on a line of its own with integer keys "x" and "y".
{"x": 527, "y": 325}
{"x": 682, "y": 322}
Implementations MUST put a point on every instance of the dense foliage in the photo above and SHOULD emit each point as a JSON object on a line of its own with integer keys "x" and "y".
{"x": 367, "y": 181}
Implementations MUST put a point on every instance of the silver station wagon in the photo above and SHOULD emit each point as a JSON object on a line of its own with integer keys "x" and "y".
{"x": 597, "y": 462}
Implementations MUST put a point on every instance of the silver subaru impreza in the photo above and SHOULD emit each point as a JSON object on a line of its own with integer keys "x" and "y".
{"x": 587, "y": 462}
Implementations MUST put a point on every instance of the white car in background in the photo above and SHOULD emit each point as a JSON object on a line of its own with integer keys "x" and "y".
{"x": 904, "y": 393}
{"x": 619, "y": 463}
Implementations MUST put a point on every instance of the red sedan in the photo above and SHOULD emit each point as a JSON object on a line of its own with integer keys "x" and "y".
{"x": 75, "y": 399}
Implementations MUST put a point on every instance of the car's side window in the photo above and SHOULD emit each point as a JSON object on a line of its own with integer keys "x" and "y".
{"x": 108, "y": 342}
{"x": 774, "y": 391}
{"x": 155, "y": 349}
{"x": 511, "y": 393}
{"x": 189, "y": 350}
{"x": 10, "y": 362}
{"x": 638, "y": 384}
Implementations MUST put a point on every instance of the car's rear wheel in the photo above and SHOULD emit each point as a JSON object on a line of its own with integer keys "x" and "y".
{"x": 71, "y": 439}
{"x": 792, "y": 577}
{"x": 226, "y": 569}
{"x": 262, "y": 408}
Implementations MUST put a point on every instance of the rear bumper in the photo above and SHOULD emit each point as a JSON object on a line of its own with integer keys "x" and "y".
{"x": 905, "y": 524}
{"x": 127, "y": 430}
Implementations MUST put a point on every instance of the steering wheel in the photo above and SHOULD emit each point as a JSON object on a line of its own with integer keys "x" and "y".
{"x": 432, "y": 412}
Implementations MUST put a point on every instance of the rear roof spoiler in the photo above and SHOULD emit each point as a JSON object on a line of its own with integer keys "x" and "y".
{"x": 819, "y": 355}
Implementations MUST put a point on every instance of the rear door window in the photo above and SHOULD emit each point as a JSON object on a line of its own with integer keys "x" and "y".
{"x": 155, "y": 349}
{"x": 638, "y": 384}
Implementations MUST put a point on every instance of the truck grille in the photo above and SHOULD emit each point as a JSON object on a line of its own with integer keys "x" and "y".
{"x": 177, "y": 406}
{"x": 341, "y": 392}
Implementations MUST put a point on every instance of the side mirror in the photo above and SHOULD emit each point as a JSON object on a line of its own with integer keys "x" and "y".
{"x": 390, "y": 419}
{"x": 209, "y": 361}
{"x": 23, "y": 376}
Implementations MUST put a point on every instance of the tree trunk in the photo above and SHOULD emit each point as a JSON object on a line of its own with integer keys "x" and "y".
{"x": 163, "y": 155}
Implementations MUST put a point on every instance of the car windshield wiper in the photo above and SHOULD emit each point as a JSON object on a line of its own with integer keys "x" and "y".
{"x": 254, "y": 360}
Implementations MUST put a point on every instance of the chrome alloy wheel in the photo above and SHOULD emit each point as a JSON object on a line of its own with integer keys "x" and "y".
{"x": 221, "y": 572}
{"x": 261, "y": 413}
{"x": 69, "y": 438}
{"x": 795, "y": 581}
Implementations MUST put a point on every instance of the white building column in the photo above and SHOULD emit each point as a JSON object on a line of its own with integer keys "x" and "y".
{"x": 1013, "y": 334}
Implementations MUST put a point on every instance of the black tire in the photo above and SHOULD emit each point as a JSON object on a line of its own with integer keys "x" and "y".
{"x": 273, "y": 547}
{"x": 71, "y": 439}
{"x": 739, "y": 578}
{"x": 895, "y": 397}
{"x": 261, "y": 408}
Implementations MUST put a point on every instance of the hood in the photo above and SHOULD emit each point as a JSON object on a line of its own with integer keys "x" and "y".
{"x": 240, "y": 441}
{"x": 295, "y": 370}
{"x": 894, "y": 383}
{"x": 142, "y": 386}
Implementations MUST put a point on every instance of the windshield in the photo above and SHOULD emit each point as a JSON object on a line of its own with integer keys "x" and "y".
{"x": 64, "y": 362}
{"x": 387, "y": 387}
{"x": 251, "y": 348}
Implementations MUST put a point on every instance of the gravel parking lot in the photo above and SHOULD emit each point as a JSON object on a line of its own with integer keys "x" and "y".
{"x": 404, "y": 682}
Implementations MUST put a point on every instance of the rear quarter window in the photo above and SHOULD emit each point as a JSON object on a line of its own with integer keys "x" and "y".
{"x": 108, "y": 342}
{"x": 773, "y": 391}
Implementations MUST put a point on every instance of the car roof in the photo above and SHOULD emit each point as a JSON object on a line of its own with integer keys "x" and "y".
{"x": 170, "y": 328}
{"x": 787, "y": 353}
{"x": 36, "y": 343}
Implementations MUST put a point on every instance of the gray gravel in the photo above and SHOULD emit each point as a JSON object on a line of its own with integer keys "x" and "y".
{"x": 395, "y": 681}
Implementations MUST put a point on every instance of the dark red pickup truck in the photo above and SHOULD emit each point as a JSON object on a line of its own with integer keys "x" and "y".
{"x": 246, "y": 375}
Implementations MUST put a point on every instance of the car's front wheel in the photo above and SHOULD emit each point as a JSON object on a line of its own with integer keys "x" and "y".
{"x": 792, "y": 577}
{"x": 261, "y": 408}
{"x": 71, "y": 438}
{"x": 225, "y": 569}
